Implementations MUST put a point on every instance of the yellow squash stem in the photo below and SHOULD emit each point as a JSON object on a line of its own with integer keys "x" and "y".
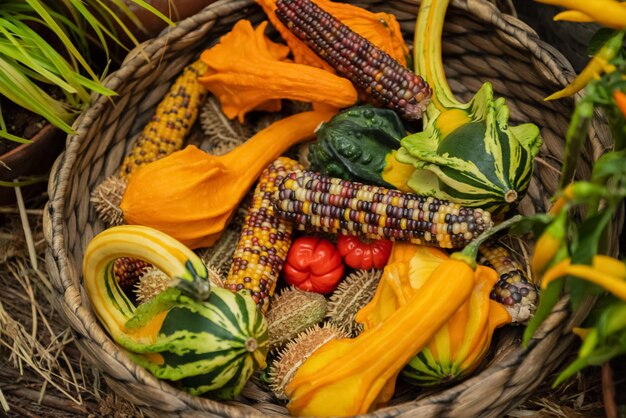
{"x": 605, "y": 271}
{"x": 427, "y": 55}
{"x": 351, "y": 376}
{"x": 157, "y": 248}
{"x": 609, "y": 13}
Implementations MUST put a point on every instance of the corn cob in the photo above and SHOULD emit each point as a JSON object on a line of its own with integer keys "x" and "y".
{"x": 265, "y": 239}
{"x": 168, "y": 127}
{"x": 314, "y": 201}
{"x": 371, "y": 69}
{"x": 513, "y": 289}
{"x": 128, "y": 272}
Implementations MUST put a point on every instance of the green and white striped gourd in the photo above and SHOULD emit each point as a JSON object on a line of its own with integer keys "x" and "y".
{"x": 209, "y": 340}
{"x": 467, "y": 153}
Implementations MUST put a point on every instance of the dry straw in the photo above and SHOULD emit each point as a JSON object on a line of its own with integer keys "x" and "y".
{"x": 480, "y": 44}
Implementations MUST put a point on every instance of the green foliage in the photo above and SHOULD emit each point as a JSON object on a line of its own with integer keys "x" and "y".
{"x": 590, "y": 207}
{"x": 32, "y": 57}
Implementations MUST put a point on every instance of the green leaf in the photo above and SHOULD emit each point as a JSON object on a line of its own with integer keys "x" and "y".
{"x": 599, "y": 39}
{"x": 548, "y": 298}
{"x": 4, "y": 134}
{"x": 23, "y": 183}
{"x": 58, "y": 31}
{"x": 574, "y": 139}
{"x": 535, "y": 223}
{"x": 611, "y": 164}
{"x": 20, "y": 90}
{"x": 590, "y": 232}
{"x": 597, "y": 358}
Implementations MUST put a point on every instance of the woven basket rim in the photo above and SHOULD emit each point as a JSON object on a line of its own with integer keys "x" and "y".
{"x": 154, "y": 50}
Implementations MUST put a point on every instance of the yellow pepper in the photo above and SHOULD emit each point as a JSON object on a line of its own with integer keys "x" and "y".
{"x": 598, "y": 64}
{"x": 606, "y": 12}
{"x": 620, "y": 101}
{"x": 354, "y": 376}
{"x": 548, "y": 245}
{"x": 573, "y": 16}
{"x": 605, "y": 271}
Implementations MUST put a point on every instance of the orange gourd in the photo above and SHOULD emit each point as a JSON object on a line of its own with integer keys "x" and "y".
{"x": 247, "y": 71}
{"x": 381, "y": 29}
{"x": 191, "y": 195}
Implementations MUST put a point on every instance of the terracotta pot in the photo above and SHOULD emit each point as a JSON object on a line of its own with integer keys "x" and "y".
{"x": 33, "y": 159}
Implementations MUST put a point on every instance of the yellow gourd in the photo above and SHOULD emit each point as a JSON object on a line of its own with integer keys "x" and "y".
{"x": 460, "y": 345}
{"x": 191, "y": 195}
{"x": 353, "y": 376}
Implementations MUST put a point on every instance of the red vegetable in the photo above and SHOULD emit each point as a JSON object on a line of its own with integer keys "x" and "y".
{"x": 314, "y": 265}
{"x": 364, "y": 254}
{"x": 620, "y": 100}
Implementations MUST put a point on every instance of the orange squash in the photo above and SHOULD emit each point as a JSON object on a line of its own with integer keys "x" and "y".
{"x": 248, "y": 71}
{"x": 191, "y": 195}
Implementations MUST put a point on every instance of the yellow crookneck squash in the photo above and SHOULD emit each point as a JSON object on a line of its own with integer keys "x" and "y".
{"x": 354, "y": 376}
{"x": 191, "y": 195}
{"x": 460, "y": 345}
{"x": 426, "y": 302}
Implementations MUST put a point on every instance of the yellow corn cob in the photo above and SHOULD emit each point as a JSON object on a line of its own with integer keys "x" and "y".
{"x": 316, "y": 202}
{"x": 172, "y": 120}
{"x": 513, "y": 289}
{"x": 265, "y": 239}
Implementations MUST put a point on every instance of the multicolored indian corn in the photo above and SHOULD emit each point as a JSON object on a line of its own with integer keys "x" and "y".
{"x": 314, "y": 201}
{"x": 513, "y": 289}
{"x": 128, "y": 271}
{"x": 371, "y": 69}
{"x": 173, "y": 118}
{"x": 265, "y": 239}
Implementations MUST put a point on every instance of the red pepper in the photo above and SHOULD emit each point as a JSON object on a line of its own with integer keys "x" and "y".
{"x": 314, "y": 265}
{"x": 360, "y": 254}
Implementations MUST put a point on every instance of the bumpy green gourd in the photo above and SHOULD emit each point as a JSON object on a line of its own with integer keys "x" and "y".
{"x": 359, "y": 144}
{"x": 467, "y": 153}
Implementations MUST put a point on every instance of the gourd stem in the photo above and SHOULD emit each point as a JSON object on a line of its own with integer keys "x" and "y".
{"x": 427, "y": 52}
{"x": 471, "y": 250}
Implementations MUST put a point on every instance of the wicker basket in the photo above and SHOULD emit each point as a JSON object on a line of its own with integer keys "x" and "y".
{"x": 480, "y": 44}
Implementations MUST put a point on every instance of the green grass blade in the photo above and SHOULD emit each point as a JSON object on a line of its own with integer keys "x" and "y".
{"x": 93, "y": 22}
{"x": 20, "y": 90}
{"x": 152, "y": 10}
{"x": 58, "y": 31}
{"x": 17, "y": 52}
{"x": 4, "y": 134}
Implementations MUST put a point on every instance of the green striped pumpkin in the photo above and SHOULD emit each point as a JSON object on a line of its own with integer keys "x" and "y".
{"x": 483, "y": 162}
{"x": 207, "y": 340}
{"x": 467, "y": 152}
